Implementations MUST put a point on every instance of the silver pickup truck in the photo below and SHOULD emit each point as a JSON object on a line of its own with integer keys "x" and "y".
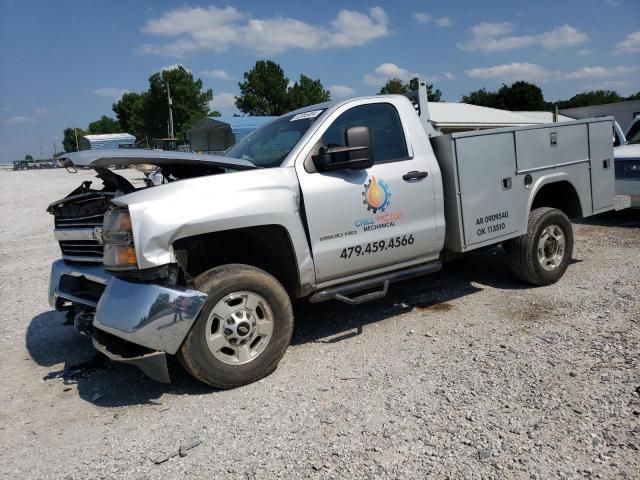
{"x": 333, "y": 201}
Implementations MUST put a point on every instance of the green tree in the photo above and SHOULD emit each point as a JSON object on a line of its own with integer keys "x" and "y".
{"x": 397, "y": 86}
{"x": 129, "y": 113}
{"x": 520, "y": 96}
{"x": 28, "y": 158}
{"x": 104, "y": 125}
{"x": 306, "y": 91}
{"x": 264, "y": 90}
{"x": 190, "y": 102}
{"x": 394, "y": 86}
{"x": 482, "y": 98}
{"x": 635, "y": 96}
{"x": 517, "y": 96}
{"x": 595, "y": 97}
{"x": 69, "y": 140}
{"x": 145, "y": 115}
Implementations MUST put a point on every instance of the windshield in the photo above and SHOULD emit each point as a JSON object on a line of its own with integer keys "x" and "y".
{"x": 269, "y": 145}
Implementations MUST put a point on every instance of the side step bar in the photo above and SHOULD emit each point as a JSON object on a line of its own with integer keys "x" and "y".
{"x": 342, "y": 292}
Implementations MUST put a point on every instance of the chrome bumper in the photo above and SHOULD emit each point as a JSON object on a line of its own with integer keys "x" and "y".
{"x": 152, "y": 316}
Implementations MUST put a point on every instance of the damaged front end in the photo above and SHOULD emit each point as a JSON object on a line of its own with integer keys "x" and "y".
{"x": 136, "y": 317}
{"x": 131, "y": 322}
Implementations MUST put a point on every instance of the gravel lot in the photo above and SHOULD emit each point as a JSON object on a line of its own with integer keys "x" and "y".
{"x": 461, "y": 374}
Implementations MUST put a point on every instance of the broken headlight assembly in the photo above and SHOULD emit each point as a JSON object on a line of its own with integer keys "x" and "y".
{"x": 117, "y": 234}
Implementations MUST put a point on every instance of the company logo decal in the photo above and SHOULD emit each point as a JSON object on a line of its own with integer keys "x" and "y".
{"x": 377, "y": 195}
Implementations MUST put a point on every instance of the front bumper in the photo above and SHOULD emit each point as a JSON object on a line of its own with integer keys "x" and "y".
{"x": 151, "y": 316}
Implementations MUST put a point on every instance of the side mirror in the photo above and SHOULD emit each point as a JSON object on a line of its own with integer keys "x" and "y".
{"x": 356, "y": 155}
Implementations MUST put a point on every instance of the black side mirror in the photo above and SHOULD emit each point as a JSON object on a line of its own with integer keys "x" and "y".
{"x": 356, "y": 155}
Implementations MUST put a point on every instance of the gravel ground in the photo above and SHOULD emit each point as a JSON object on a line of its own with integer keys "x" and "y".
{"x": 462, "y": 374}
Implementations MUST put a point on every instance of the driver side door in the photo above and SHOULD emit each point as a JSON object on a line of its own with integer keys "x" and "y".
{"x": 363, "y": 220}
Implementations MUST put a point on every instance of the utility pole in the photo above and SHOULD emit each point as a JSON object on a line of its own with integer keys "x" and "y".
{"x": 75, "y": 131}
{"x": 40, "y": 150}
{"x": 171, "y": 133}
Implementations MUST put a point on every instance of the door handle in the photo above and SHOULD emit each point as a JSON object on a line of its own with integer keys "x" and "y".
{"x": 414, "y": 176}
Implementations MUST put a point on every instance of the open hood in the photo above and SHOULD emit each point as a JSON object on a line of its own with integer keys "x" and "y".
{"x": 123, "y": 157}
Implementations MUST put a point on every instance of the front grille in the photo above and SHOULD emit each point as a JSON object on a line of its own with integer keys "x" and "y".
{"x": 89, "y": 221}
{"x": 78, "y": 228}
{"x": 82, "y": 250}
{"x": 628, "y": 169}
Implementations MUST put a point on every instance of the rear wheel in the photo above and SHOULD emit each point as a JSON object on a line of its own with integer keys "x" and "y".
{"x": 242, "y": 331}
{"x": 542, "y": 255}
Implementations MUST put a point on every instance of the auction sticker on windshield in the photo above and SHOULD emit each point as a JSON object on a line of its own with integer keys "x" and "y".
{"x": 302, "y": 116}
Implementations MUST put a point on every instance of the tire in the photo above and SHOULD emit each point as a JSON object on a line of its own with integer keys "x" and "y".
{"x": 230, "y": 344}
{"x": 542, "y": 261}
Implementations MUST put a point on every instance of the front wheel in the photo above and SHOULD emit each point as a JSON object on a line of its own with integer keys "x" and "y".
{"x": 243, "y": 329}
{"x": 542, "y": 255}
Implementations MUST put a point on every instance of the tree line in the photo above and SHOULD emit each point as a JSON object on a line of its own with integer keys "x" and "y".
{"x": 524, "y": 96}
{"x": 266, "y": 90}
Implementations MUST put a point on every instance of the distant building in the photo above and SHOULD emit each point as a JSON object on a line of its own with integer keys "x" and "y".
{"x": 217, "y": 134}
{"x": 107, "y": 140}
{"x": 623, "y": 112}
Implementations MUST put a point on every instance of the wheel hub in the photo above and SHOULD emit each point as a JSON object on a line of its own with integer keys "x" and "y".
{"x": 551, "y": 247}
{"x": 239, "y": 327}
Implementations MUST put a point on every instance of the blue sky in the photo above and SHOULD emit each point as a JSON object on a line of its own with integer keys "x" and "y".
{"x": 64, "y": 63}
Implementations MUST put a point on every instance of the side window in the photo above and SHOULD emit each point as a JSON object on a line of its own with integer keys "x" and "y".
{"x": 385, "y": 130}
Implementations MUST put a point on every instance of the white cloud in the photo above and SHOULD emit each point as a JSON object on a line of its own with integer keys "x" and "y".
{"x": 222, "y": 100}
{"x": 510, "y": 71}
{"x": 584, "y": 52}
{"x": 173, "y": 66}
{"x": 448, "y": 75}
{"x": 387, "y": 71}
{"x": 19, "y": 119}
{"x": 41, "y": 111}
{"x": 422, "y": 17}
{"x": 218, "y": 74}
{"x": 218, "y": 29}
{"x": 492, "y": 37}
{"x": 597, "y": 72}
{"x": 341, "y": 91}
{"x": 530, "y": 71}
{"x": 444, "y": 22}
{"x": 631, "y": 44}
{"x": 114, "y": 93}
{"x": 488, "y": 30}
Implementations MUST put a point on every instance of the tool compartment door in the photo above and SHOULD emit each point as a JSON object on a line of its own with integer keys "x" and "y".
{"x": 603, "y": 185}
{"x": 486, "y": 167}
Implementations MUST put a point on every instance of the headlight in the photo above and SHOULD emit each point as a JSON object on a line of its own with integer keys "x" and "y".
{"x": 117, "y": 234}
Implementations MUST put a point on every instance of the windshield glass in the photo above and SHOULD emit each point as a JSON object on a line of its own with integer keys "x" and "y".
{"x": 267, "y": 146}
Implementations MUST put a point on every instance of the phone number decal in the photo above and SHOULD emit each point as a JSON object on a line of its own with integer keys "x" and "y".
{"x": 377, "y": 247}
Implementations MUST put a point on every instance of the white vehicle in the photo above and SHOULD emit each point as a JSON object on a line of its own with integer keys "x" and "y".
{"x": 627, "y": 164}
{"x": 334, "y": 201}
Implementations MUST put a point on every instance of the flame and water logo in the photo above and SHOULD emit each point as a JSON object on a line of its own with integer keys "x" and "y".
{"x": 377, "y": 195}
